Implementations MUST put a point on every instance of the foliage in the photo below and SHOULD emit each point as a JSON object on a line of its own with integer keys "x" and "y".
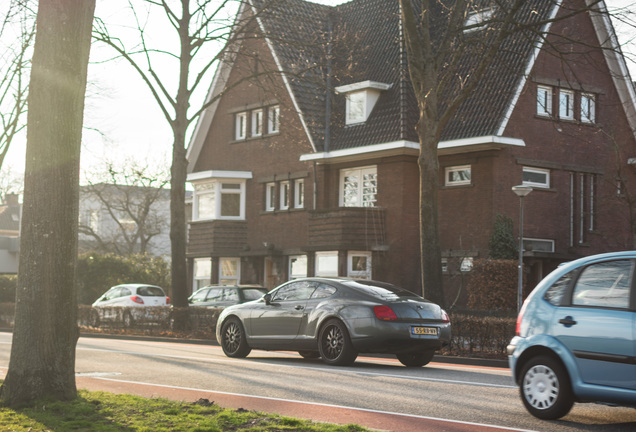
{"x": 493, "y": 285}
{"x": 96, "y": 273}
{"x": 480, "y": 336}
{"x": 502, "y": 244}
{"x": 8, "y": 284}
{"x": 101, "y": 412}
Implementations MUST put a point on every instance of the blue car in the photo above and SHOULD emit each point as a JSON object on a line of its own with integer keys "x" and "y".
{"x": 576, "y": 337}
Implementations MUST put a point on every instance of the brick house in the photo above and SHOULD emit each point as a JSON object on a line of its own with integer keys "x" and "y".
{"x": 314, "y": 172}
{"x": 10, "y": 212}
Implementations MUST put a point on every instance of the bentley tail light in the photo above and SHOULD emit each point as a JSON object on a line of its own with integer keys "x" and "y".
{"x": 445, "y": 317}
{"x": 384, "y": 313}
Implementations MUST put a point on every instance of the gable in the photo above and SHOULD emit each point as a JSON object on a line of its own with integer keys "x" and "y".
{"x": 323, "y": 48}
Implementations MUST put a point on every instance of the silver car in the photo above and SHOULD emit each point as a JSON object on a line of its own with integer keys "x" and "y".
{"x": 336, "y": 319}
{"x": 225, "y": 295}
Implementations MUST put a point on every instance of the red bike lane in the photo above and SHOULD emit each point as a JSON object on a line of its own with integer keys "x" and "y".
{"x": 376, "y": 420}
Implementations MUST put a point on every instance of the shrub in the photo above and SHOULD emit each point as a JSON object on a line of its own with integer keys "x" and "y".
{"x": 493, "y": 285}
{"x": 502, "y": 243}
{"x": 8, "y": 285}
{"x": 96, "y": 273}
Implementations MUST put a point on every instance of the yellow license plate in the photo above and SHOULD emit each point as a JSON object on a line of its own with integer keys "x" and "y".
{"x": 431, "y": 331}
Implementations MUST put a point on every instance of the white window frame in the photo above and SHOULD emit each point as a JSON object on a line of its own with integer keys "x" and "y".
{"x": 548, "y": 242}
{"x": 202, "y": 273}
{"x": 530, "y": 183}
{"x": 284, "y": 195}
{"x": 466, "y": 264}
{"x": 127, "y": 225}
{"x": 476, "y": 18}
{"x": 444, "y": 265}
{"x": 225, "y": 279}
{"x": 588, "y": 108}
{"x": 356, "y": 107}
{"x": 216, "y": 190}
{"x": 566, "y": 104}
{"x": 273, "y": 119}
{"x": 297, "y": 265}
{"x": 357, "y": 273}
{"x": 240, "y": 126}
{"x": 224, "y": 191}
{"x": 299, "y": 193}
{"x": 324, "y": 261}
{"x": 92, "y": 220}
{"x": 203, "y": 192}
{"x": 544, "y": 100}
{"x": 257, "y": 123}
{"x": 457, "y": 169}
{"x": 270, "y": 196}
{"x": 361, "y": 172}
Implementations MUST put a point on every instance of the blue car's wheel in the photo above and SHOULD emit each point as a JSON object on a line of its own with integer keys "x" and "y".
{"x": 335, "y": 345}
{"x": 545, "y": 388}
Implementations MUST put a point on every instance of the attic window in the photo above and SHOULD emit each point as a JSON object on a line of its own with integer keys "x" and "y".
{"x": 475, "y": 20}
{"x": 360, "y": 99}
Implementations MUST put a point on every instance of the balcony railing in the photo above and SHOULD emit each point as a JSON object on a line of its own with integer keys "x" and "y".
{"x": 351, "y": 228}
{"x": 217, "y": 237}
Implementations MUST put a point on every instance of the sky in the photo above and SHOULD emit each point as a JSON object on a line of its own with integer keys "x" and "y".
{"x": 123, "y": 123}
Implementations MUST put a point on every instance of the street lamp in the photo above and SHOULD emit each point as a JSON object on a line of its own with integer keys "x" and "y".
{"x": 521, "y": 192}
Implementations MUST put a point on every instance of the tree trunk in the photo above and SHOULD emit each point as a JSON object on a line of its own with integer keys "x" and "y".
{"x": 42, "y": 362}
{"x": 178, "y": 222}
{"x": 430, "y": 248}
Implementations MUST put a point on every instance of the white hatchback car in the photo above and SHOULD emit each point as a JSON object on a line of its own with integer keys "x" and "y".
{"x": 129, "y": 303}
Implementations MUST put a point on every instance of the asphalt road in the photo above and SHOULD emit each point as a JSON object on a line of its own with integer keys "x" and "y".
{"x": 378, "y": 393}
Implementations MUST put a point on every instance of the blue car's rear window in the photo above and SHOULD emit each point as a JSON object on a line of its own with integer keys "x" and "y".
{"x": 381, "y": 290}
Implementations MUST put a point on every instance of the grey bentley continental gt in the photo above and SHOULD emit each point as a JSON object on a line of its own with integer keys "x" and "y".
{"x": 336, "y": 319}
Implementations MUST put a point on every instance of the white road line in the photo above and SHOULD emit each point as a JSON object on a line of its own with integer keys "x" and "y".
{"x": 320, "y": 404}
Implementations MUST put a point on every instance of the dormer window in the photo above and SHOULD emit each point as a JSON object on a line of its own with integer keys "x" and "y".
{"x": 355, "y": 107}
{"x": 360, "y": 99}
{"x": 475, "y": 20}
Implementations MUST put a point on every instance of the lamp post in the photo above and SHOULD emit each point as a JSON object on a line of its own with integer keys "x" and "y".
{"x": 521, "y": 191}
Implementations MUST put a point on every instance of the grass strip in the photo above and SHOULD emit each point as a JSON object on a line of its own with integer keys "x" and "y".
{"x": 106, "y": 412}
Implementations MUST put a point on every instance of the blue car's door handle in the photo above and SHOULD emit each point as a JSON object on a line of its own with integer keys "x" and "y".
{"x": 568, "y": 321}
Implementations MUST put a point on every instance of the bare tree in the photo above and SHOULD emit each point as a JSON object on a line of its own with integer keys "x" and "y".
{"x": 134, "y": 203}
{"x": 205, "y": 34}
{"x": 10, "y": 182}
{"x": 42, "y": 362}
{"x": 446, "y": 65}
{"x": 16, "y": 33}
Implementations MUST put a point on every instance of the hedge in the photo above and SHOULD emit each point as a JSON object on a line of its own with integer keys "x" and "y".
{"x": 493, "y": 285}
{"x": 480, "y": 335}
